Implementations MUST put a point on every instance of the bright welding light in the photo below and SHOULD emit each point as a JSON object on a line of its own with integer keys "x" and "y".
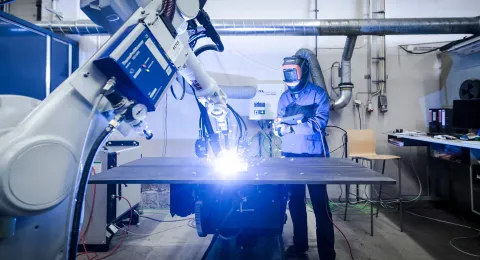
{"x": 229, "y": 163}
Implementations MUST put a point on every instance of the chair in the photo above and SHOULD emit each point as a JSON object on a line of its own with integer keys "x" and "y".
{"x": 362, "y": 145}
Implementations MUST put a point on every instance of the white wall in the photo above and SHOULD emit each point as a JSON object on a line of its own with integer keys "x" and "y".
{"x": 413, "y": 80}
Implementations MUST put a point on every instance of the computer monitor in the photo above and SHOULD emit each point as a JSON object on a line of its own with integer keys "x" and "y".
{"x": 466, "y": 114}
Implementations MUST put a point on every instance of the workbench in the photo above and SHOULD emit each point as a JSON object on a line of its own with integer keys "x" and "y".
{"x": 170, "y": 170}
{"x": 262, "y": 172}
{"x": 454, "y": 151}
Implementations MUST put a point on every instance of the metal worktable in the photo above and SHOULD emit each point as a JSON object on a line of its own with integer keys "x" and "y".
{"x": 261, "y": 171}
{"x": 165, "y": 170}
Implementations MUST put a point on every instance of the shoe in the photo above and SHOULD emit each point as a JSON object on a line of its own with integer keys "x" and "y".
{"x": 293, "y": 251}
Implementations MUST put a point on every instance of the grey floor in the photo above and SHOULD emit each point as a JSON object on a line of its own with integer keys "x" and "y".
{"x": 422, "y": 240}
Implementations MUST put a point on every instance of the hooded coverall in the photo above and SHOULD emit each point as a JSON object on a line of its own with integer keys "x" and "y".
{"x": 308, "y": 140}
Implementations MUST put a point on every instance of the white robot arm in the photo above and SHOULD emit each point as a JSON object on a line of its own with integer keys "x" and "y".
{"x": 44, "y": 157}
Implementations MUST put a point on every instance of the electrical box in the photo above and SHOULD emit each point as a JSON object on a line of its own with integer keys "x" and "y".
{"x": 139, "y": 64}
{"x": 264, "y": 105}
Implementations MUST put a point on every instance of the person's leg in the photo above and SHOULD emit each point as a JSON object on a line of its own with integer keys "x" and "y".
{"x": 298, "y": 212}
{"x": 323, "y": 215}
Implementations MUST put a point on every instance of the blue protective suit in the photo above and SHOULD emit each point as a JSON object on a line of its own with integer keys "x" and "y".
{"x": 313, "y": 102}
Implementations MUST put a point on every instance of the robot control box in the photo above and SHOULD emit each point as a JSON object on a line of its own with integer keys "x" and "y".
{"x": 139, "y": 64}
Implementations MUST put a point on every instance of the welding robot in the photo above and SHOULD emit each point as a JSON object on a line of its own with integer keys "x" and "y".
{"x": 47, "y": 150}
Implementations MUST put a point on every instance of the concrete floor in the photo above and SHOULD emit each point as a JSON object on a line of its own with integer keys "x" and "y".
{"x": 422, "y": 240}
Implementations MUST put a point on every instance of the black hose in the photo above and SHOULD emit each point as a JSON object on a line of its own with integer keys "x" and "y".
{"x": 239, "y": 117}
{"x": 240, "y": 127}
{"x": 212, "y": 136}
{"x": 183, "y": 91}
{"x": 210, "y": 47}
{"x": 210, "y": 31}
{"x": 82, "y": 188}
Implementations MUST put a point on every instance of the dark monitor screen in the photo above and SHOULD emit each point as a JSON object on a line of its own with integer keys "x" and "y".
{"x": 466, "y": 114}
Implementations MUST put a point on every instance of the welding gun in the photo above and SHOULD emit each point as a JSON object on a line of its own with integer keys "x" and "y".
{"x": 281, "y": 122}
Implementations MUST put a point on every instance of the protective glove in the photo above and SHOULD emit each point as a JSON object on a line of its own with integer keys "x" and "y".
{"x": 282, "y": 129}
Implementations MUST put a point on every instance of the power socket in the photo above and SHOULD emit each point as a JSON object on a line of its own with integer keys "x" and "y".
{"x": 357, "y": 103}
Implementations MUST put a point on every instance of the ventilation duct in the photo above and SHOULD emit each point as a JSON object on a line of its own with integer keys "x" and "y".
{"x": 348, "y": 27}
{"x": 237, "y": 27}
{"x": 346, "y": 84}
{"x": 315, "y": 69}
{"x": 234, "y": 92}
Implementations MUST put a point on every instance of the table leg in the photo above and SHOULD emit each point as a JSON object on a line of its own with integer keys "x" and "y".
{"x": 429, "y": 178}
{"x": 347, "y": 196}
{"x": 380, "y": 191}
{"x": 358, "y": 186}
{"x": 400, "y": 194}
{"x": 371, "y": 218}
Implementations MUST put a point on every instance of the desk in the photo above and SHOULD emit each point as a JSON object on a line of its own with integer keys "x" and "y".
{"x": 410, "y": 139}
{"x": 465, "y": 152}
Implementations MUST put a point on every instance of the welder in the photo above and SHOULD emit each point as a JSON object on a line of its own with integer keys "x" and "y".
{"x": 306, "y": 138}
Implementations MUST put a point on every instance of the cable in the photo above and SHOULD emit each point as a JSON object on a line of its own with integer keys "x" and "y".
{"x": 359, "y": 116}
{"x": 443, "y": 221}
{"x": 192, "y": 224}
{"x": 326, "y": 195}
{"x": 418, "y": 179}
{"x": 166, "y": 221}
{"x": 183, "y": 91}
{"x": 453, "y": 239}
{"x": 195, "y": 37}
{"x": 425, "y": 52}
{"x": 336, "y": 149}
{"x": 344, "y": 140}
{"x": 77, "y": 213}
{"x": 331, "y": 221}
{"x": 239, "y": 117}
{"x": 240, "y": 126}
{"x": 82, "y": 236}
{"x": 124, "y": 233}
{"x": 460, "y": 250}
{"x": 150, "y": 234}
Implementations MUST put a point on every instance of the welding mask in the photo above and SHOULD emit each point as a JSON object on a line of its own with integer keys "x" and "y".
{"x": 295, "y": 73}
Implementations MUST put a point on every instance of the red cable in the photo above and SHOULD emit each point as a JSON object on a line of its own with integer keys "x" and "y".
{"x": 124, "y": 233}
{"x": 349, "y": 248}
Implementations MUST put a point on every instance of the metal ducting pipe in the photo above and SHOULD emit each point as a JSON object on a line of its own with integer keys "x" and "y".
{"x": 237, "y": 27}
{"x": 234, "y": 92}
{"x": 346, "y": 84}
{"x": 468, "y": 25}
{"x": 315, "y": 69}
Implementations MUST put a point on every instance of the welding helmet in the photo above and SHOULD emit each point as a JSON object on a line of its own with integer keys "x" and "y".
{"x": 295, "y": 73}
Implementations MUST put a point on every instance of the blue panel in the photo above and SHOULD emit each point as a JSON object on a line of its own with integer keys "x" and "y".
{"x": 23, "y": 62}
{"x": 59, "y": 63}
{"x": 142, "y": 68}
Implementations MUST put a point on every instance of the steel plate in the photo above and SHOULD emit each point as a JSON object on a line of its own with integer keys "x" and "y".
{"x": 164, "y": 170}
